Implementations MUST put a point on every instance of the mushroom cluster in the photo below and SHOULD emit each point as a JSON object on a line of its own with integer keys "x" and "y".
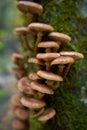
{"x": 52, "y": 67}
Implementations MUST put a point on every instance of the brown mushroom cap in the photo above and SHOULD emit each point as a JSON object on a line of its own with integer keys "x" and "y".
{"x": 48, "y": 44}
{"x": 32, "y": 103}
{"x": 49, "y": 76}
{"x": 21, "y": 30}
{"x": 24, "y": 86}
{"x": 17, "y": 71}
{"x": 22, "y": 113}
{"x": 34, "y": 76}
{"x": 36, "y": 61}
{"x": 62, "y": 60}
{"x": 39, "y": 27}
{"x": 75, "y": 55}
{"x": 17, "y": 55}
{"x": 47, "y": 56}
{"x": 26, "y": 7}
{"x": 59, "y": 37}
{"x": 18, "y": 124}
{"x": 41, "y": 88}
{"x": 47, "y": 114}
{"x": 15, "y": 100}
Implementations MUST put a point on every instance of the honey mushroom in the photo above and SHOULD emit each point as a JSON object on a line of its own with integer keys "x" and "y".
{"x": 18, "y": 59}
{"x": 32, "y": 103}
{"x": 18, "y": 72}
{"x": 23, "y": 33}
{"x": 24, "y": 86}
{"x": 19, "y": 124}
{"x": 59, "y": 37}
{"x": 38, "y": 29}
{"x": 61, "y": 61}
{"x": 29, "y": 9}
{"x": 74, "y": 55}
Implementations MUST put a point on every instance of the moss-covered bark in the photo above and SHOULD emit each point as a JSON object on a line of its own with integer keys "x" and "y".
{"x": 65, "y": 16}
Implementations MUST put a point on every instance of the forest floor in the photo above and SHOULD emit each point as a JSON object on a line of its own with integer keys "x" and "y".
{"x": 7, "y": 84}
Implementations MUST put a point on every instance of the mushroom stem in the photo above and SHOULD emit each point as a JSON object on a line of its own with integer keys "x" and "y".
{"x": 39, "y": 38}
{"x": 25, "y": 40}
{"x": 66, "y": 70}
{"x": 61, "y": 68}
{"x": 30, "y": 18}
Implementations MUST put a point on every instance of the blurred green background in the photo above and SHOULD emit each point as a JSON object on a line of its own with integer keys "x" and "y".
{"x": 10, "y": 18}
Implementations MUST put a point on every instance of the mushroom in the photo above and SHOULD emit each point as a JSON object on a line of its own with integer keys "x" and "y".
{"x": 61, "y": 61}
{"x": 18, "y": 59}
{"x": 74, "y": 55}
{"x": 39, "y": 28}
{"x": 47, "y": 114}
{"x": 22, "y": 113}
{"x": 49, "y": 75}
{"x": 59, "y": 37}
{"x": 18, "y": 124}
{"x": 48, "y": 45}
{"x": 23, "y": 32}
{"x": 15, "y": 100}
{"x": 47, "y": 56}
{"x": 36, "y": 61}
{"x": 17, "y": 72}
{"x": 24, "y": 86}
{"x": 41, "y": 88}
{"x": 34, "y": 76}
{"x": 32, "y": 103}
{"x": 30, "y": 8}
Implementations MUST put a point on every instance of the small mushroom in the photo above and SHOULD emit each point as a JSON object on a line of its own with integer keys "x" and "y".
{"x": 47, "y": 114}
{"x": 15, "y": 100}
{"x": 18, "y": 124}
{"x": 17, "y": 72}
{"x": 74, "y": 55}
{"x": 18, "y": 59}
{"x": 59, "y": 37}
{"x": 24, "y": 86}
{"x": 32, "y": 103}
{"x": 49, "y": 75}
{"x": 23, "y": 32}
{"x": 34, "y": 76}
{"x": 48, "y": 45}
{"x": 39, "y": 28}
{"x": 61, "y": 61}
{"x": 30, "y": 8}
{"x": 47, "y": 56}
{"x": 22, "y": 114}
{"x": 41, "y": 88}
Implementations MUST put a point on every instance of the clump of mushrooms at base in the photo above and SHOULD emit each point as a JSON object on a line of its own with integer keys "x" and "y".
{"x": 34, "y": 86}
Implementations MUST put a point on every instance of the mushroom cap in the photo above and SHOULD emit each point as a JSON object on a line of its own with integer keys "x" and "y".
{"x": 39, "y": 27}
{"x": 24, "y": 86}
{"x": 18, "y": 124}
{"x": 62, "y": 60}
{"x": 48, "y": 44}
{"x": 17, "y": 71}
{"x": 17, "y": 56}
{"x": 15, "y": 100}
{"x": 47, "y": 114}
{"x": 41, "y": 88}
{"x": 49, "y": 75}
{"x": 75, "y": 55}
{"x": 26, "y": 7}
{"x": 22, "y": 113}
{"x": 34, "y": 76}
{"x": 47, "y": 56}
{"x": 59, "y": 37}
{"x": 32, "y": 103}
{"x": 21, "y": 30}
{"x": 36, "y": 61}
